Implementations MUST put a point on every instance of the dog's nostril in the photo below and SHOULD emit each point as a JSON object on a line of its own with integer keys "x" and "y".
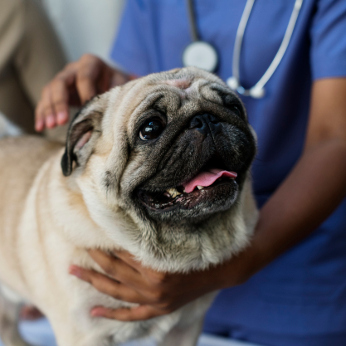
{"x": 201, "y": 121}
{"x": 213, "y": 119}
{"x": 196, "y": 123}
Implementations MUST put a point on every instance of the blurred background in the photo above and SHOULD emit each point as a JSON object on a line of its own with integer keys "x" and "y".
{"x": 37, "y": 38}
{"x": 39, "y": 333}
{"x": 85, "y": 26}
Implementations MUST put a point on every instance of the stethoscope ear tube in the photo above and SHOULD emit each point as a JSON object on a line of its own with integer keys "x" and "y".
{"x": 198, "y": 53}
{"x": 192, "y": 21}
{"x": 257, "y": 91}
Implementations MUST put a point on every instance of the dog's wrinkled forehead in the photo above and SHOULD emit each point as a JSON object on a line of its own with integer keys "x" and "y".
{"x": 177, "y": 93}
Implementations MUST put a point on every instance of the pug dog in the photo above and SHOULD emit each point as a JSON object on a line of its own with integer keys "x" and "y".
{"x": 158, "y": 167}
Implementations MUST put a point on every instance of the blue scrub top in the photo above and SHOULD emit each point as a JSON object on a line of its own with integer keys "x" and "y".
{"x": 300, "y": 298}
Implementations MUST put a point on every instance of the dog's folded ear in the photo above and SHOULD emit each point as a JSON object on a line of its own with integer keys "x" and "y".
{"x": 83, "y": 131}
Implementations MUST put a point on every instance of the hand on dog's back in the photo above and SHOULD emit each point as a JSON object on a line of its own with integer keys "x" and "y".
{"x": 76, "y": 84}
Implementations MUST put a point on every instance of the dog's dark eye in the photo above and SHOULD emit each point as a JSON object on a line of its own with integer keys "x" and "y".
{"x": 151, "y": 129}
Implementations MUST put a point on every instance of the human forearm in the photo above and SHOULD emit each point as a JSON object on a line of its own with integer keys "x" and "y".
{"x": 310, "y": 193}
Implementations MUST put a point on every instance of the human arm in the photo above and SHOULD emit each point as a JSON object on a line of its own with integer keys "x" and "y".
{"x": 312, "y": 190}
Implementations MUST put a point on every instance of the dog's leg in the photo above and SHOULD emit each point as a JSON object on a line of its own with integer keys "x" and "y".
{"x": 183, "y": 335}
{"x": 9, "y": 314}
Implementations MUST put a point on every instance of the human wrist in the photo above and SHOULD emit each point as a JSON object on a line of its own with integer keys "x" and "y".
{"x": 242, "y": 266}
{"x": 230, "y": 273}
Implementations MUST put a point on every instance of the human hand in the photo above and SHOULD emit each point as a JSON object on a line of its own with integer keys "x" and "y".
{"x": 156, "y": 293}
{"x": 77, "y": 83}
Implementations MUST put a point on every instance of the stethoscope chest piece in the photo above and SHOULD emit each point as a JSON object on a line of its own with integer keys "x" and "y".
{"x": 200, "y": 54}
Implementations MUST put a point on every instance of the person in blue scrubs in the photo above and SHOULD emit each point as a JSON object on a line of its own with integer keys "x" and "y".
{"x": 289, "y": 286}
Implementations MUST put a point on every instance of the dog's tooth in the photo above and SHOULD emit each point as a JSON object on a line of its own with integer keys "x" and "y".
{"x": 199, "y": 187}
{"x": 170, "y": 191}
{"x": 173, "y": 192}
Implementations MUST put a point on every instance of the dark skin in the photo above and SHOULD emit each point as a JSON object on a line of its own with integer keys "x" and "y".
{"x": 76, "y": 84}
{"x": 309, "y": 194}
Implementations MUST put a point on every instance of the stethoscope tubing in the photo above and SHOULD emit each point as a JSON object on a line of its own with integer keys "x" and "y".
{"x": 257, "y": 90}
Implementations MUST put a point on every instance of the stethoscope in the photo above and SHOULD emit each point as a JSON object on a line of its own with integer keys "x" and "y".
{"x": 203, "y": 55}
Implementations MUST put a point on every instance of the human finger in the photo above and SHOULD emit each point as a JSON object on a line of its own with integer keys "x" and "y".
{"x": 56, "y": 92}
{"x": 39, "y": 118}
{"x": 59, "y": 99}
{"x": 128, "y": 258}
{"x": 89, "y": 71}
{"x": 116, "y": 268}
{"x": 140, "y": 313}
{"x": 154, "y": 280}
{"x": 45, "y": 112}
{"x": 107, "y": 285}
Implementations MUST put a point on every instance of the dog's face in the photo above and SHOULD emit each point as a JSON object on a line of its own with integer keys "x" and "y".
{"x": 171, "y": 150}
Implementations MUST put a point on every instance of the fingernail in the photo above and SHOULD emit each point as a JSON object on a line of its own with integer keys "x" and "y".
{"x": 61, "y": 117}
{"x": 76, "y": 271}
{"x": 98, "y": 312}
{"x": 39, "y": 125}
{"x": 50, "y": 121}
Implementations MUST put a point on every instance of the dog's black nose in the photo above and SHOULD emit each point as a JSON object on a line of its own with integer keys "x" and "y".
{"x": 205, "y": 123}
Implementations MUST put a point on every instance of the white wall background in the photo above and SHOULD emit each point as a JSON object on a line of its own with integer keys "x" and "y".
{"x": 85, "y": 26}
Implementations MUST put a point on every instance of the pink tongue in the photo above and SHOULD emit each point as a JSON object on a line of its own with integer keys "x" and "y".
{"x": 207, "y": 178}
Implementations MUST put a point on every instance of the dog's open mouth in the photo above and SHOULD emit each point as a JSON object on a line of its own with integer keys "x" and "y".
{"x": 206, "y": 186}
